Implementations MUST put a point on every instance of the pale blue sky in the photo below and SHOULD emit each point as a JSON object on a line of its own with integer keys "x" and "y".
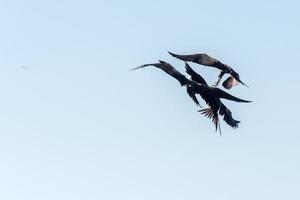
{"x": 78, "y": 125}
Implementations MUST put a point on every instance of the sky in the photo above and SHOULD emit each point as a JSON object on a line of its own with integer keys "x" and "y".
{"x": 76, "y": 124}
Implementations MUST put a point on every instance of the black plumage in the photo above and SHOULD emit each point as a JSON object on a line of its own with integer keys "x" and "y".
{"x": 223, "y": 110}
{"x": 198, "y": 85}
{"x": 204, "y": 59}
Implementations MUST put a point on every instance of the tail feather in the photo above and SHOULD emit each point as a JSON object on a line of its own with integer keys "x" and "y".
{"x": 211, "y": 114}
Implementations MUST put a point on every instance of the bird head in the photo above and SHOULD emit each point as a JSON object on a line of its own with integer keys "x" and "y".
{"x": 237, "y": 77}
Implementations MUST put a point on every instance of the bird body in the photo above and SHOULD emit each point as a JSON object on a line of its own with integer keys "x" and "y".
{"x": 197, "y": 85}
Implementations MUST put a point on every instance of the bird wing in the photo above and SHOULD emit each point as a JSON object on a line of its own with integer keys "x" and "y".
{"x": 169, "y": 69}
{"x": 194, "y": 75}
{"x": 202, "y": 59}
{"x": 187, "y": 58}
{"x": 227, "y": 116}
{"x": 145, "y": 65}
{"x": 218, "y": 93}
{"x": 191, "y": 93}
{"x": 212, "y": 114}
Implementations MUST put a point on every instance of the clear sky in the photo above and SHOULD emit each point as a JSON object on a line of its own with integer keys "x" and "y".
{"x": 78, "y": 125}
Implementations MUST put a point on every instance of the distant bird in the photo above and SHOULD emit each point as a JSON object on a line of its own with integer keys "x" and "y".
{"x": 24, "y": 67}
{"x": 204, "y": 59}
{"x": 211, "y": 95}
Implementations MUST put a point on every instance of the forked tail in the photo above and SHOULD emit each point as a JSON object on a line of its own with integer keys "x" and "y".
{"x": 211, "y": 114}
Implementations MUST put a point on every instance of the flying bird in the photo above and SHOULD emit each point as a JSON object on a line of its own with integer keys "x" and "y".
{"x": 211, "y": 95}
{"x": 204, "y": 59}
{"x": 223, "y": 111}
{"x": 24, "y": 67}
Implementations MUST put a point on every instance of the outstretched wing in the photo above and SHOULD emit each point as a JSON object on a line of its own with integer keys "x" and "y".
{"x": 145, "y": 65}
{"x": 218, "y": 93}
{"x": 187, "y": 58}
{"x": 202, "y": 59}
{"x": 194, "y": 75}
{"x": 169, "y": 69}
{"x": 227, "y": 116}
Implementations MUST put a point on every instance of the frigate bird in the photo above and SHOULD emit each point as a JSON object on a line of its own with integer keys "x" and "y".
{"x": 211, "y": 95}
{"x": 204, "y": 59}
{"x": 223, "y": 111}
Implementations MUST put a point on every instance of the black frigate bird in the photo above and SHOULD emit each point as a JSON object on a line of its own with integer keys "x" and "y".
{"x": 211, "y": 95}
{"x": 204, "y": 59}
{"x": 223, "y": 110}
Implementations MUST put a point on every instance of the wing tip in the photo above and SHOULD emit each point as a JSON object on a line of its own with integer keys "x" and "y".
{"x": 141, "y": 66}
{"x": 134, "y": 68}
{"x": 162, "y": 62}
{"x": 172, "y": 54}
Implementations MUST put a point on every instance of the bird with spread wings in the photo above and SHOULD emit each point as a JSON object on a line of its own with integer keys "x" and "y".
{"x": 206, "y": 60}
{"x": 211, "y": 95}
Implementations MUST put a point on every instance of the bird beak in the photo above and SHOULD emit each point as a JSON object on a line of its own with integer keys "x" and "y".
{"x": 243, "y": 83}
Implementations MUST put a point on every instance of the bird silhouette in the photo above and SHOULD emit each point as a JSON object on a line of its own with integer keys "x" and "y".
{"x": 223, "y": 110}
{"x": 197, "y": 85}
{"x": 204, "y": 59}
{"x": 24, "y": 67}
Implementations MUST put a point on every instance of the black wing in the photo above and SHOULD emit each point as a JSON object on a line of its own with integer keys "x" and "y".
{"x": 218, "y": 93}
{"x": 194, "y": 75}
{"x": 169, "y": 69}
{"x": 212, "y": 114}
{"x": 187, "y": 58}
{"x": 224, "y": 111}
{"x": 202, "y": 59}
{"x": 192, "y": 94}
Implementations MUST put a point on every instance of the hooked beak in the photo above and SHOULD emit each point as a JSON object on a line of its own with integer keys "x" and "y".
{"x": 243, "y": 83}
